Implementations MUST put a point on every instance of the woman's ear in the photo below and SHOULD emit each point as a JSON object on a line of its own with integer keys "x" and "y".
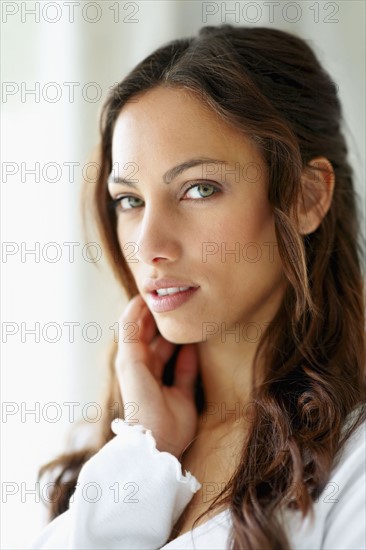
{"x": 317, "y": 193}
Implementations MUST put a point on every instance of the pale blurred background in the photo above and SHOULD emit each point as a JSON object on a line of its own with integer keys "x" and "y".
{"x": 93, "y": 45}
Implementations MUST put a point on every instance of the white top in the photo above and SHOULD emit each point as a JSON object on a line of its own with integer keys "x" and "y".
{"x": 129, "y": 496}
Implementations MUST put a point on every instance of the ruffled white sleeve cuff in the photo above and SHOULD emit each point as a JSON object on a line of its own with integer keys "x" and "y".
{"x": 129, "y": 494}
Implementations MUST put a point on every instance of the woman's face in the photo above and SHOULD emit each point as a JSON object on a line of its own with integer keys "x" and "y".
{"x": 218, "y": 236}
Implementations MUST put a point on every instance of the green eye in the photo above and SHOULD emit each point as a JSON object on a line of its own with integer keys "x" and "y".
{"x": 206, "y": 190}
{"x": 118, "y": 203}
{"x": 128, "y": 202}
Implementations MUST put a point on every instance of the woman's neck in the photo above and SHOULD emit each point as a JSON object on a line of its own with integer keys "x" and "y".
{"x": 226, "y": 373}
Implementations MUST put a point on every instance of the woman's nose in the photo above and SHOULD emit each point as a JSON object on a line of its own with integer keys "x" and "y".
{"x": 158, "y": 238}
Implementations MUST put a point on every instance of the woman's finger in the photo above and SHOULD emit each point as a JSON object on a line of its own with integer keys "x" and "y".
{"x": 133, "y": 309}
{"x": 147, "y": 325}
{"x": 130, "y": 348}
{"x": 163, "y": 350}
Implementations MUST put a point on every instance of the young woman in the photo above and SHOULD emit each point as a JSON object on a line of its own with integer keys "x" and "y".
{"x": 227, "y": 206}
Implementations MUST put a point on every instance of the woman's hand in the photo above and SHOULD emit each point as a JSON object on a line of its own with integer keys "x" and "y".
{"x": 168, "y": 411}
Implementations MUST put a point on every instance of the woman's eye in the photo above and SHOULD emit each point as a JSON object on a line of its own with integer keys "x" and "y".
{"x": 197, "y": 191}
{"x": 206, "y": 190}
{"x": 126, "y": 202}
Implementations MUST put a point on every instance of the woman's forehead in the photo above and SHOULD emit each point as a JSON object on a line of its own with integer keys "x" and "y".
{"x": 164, "y": 121}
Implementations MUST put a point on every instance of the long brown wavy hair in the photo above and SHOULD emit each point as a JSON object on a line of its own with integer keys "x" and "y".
{"x": 270, "y": 84}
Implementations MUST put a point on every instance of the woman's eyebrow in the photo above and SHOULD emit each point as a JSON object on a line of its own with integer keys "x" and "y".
{"x": 172, "y": 173}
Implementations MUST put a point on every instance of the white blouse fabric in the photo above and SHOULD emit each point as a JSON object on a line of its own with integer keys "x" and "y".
{"x": 129, "y": 496}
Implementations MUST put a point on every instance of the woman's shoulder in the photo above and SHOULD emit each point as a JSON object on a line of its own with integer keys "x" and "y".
{"x": 349, "y": 467}
{"x": 339, "y": 519}
{"x": 354, "y": 446}
{"x": 344, "y": 499}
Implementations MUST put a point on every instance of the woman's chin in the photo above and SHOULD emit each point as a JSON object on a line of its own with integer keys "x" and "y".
{"x": 178, "y": 335}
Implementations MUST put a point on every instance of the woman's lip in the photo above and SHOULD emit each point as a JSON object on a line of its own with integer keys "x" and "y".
{"x": 160, "y": 304}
